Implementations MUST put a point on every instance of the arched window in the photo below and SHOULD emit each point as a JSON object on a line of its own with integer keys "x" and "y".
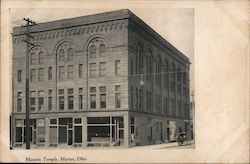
{"x": 61, "y": 55}
{"x": 32, "y": 58}
{"x": 36, "y": 55}
{"x": 65, "y": 52}
{"x": 102, "y": 50}
{"x": 41, "y": 57}
{"x": 70, "y": 54}
{"x": 92, "y": 51}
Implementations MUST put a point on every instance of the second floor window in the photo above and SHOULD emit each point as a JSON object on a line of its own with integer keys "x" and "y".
{"x": 92, "y": 97}
{"x": 40, "y": 100}
{"x": 103, "y": 97}
{"x": 117, "y": 96}
{"x": 70, "y": 99}
{"x": 61, "y": 99}
{"x": 32, "y": 101}
{"x": 50, "y": 100}
{"x": 19, "y": 76}
{"x": 19, "y": 102}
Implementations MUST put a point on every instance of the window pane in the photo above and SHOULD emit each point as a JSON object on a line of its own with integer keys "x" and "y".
{"x": 117, "y": 67}
{"x": 93, "y": 101}
{"x": 19, "y": 133}
{"x": 41, "y": 57}
{"x": 103, "y": 100}
{"x": 70, "y": 102}
{"x": 33, "y": 58}
{"x": 78, "y": 134}
{"x": 61, "y": 102}
{"x": 40, "y": 74}
{"x": 62, "y": 134}
{"x": 32, "y": 75}
{"x": 103, "y": 89}
{"x": 70, "y": 54}
{"x": 50, "y": 103}
{"x": 92, "y": 51}
{"x": 92, "y": 89}
{"x": 93, "y": 69}
{"x": 53, "y": 134}
{"x": 70, "y": 71}
{"x": 117, "y": 100}
{"x": 61, "y": 72}
{"x": 19, "y": 76}
{"x": 70, "y": 91}
{"x": 61, "y": 55}
{"x": 102, "y": 50}
{"x": 40, "y": 103}
{"x": 50, "y": 73}
{"x": 102, "y": 70}
{"x": 80, "y": 70}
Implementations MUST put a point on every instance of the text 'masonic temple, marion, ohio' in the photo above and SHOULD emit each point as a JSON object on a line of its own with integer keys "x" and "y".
{"x": 102, "y": 80}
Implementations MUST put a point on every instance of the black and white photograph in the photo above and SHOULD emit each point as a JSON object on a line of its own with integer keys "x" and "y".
{"x": 123, "y": 82}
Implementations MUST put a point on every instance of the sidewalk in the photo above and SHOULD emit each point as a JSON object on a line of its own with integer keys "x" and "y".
{"x": 162, "y": 146}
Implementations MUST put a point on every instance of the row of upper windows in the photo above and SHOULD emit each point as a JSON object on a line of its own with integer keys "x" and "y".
{"x": 38, "y": 74}
{"x": 70, "y": 99}
{"x": 65, "y": 52}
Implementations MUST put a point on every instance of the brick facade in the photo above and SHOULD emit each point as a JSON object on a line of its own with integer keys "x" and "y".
{"x": 104, "y": 50}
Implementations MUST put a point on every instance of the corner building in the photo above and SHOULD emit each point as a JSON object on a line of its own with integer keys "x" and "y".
{"x": 101, "y": 80}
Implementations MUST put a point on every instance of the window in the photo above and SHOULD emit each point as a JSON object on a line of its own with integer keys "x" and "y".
{"x": 92, "y": 51}
{"x": 92, "y": 97}
{"x": 32, "y": 101}
{"x": 137, "y": 99}
{"x": 40, "y": 100}
{"x": 61, "y": 99}
{"x": 50, "y": 73}
{"x": 132, "y": 96}
{"x": 41, "y": 57}
{"x": 80, "y": 99}
{"x": 19, "y": 102}
{"x": 50, "y": 100}
{"x": 70, "y": 71}
{"x": 80, "y": 70}
{"x": 61, "y": 55}
{"x": 40, "y": 74}
{"x": 131, "y": 67}
{"x": 92, "y": 69}
{"x": 32, "y": 75}
{"x": 102, "y": 69}
{"x": 117, "y": 96}
{"x": 70, "y": 54}
{"x": 117, "y": 67}
{"x": 19, "y": 76}
{"x": 61, "y": 72}
{"x": 132, "y": 129}
{"x": 102, "y": 50}
{"x": 140, "y": 100}
{"x": 103, "y": 97}
{"x": 70, "y": 99}
{"x": 32, "y": 58}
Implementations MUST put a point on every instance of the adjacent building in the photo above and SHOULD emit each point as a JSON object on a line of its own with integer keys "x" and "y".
{"x": 101, "y": 80}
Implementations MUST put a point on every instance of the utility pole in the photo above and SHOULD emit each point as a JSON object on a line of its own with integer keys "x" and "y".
{"x": 28, "y": 24}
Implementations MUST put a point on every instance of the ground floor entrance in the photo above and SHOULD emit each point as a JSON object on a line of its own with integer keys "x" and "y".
{"x": 68, "y": 131}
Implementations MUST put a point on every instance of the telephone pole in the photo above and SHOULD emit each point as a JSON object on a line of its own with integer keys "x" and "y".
{"x": 28, "y": 24}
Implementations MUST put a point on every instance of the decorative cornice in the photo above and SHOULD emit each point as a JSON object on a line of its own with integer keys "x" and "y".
{"x": 72, "y": 31}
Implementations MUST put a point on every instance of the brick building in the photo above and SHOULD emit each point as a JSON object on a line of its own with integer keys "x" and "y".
{"x": 100, "y": 80}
